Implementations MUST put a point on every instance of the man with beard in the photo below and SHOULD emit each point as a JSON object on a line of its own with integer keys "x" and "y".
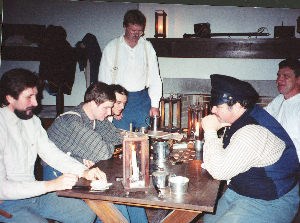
{"x": 255, "y": 155}
{"x": 22, "y": 138}
{"x": 131, "y": 61}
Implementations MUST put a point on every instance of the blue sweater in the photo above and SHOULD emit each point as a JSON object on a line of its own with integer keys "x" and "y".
{"x": 269, "y": 182}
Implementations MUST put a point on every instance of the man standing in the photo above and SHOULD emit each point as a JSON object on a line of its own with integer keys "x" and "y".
{"x": 131, "y": 61}
{"x": 286, "y": 106}
{"x": 255, "y": 155}
{"x": 22, "y": 138}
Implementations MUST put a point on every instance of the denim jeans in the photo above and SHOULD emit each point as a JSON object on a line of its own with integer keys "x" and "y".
{"x": 37, "y": 209}
{"x": 235, "y": 208}
{"x": 131, "y": 213}
{"x": 136, "y": 110}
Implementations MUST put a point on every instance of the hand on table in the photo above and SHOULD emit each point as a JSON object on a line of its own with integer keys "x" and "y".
{"x": 212, "y": 123}
{"x": 95, "y": 174}
{"x": 63, "y": 182}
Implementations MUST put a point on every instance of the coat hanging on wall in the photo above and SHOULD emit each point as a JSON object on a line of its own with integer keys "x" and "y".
{"x": 58, "y": 61}
{"x": 89, "y": 56}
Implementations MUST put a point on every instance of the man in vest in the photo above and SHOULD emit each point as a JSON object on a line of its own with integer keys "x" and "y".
{"x": 131, "y": 61}
{"x": 255, "y": 155}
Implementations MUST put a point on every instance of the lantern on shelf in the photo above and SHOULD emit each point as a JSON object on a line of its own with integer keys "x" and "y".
{"x": 160, "y": 24}
{"x": 172, "y": 101}
{"x": 195, "y": 114}
{"x": 135, "y": 162}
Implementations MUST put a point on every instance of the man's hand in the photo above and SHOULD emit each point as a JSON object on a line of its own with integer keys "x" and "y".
{"x": 63, "y": 182}
{"x": 212, "y": 123}
{"x": 154, "y": 111}
{"x": 88, "y": 163}
{"x": 94, "y": 174}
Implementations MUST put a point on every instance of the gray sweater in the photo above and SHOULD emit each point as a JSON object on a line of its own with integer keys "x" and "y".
{"x": 73, "y": 133}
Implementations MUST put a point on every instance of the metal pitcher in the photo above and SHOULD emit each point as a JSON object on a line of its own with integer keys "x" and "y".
{"x": 153, "y": 122}
{"x": 161, "y": 151}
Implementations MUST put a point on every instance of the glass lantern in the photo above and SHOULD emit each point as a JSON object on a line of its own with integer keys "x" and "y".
{"x": 136, "y": 162}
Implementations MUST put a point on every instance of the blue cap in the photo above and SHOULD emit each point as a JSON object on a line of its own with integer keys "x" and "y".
{"x": 226, "y": 89}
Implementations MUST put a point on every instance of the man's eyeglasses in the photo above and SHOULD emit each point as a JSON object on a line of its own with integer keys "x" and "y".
{"x": 138, "y": 32}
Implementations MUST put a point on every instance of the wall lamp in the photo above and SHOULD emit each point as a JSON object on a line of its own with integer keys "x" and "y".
{"x": 160, "y": 23}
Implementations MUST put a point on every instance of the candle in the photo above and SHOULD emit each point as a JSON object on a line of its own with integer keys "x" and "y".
{"x": 197, "y": 129}
{"x": 135, "y": 170}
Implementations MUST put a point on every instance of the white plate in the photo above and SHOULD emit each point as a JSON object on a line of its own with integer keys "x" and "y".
{"x": 158, "y": 134}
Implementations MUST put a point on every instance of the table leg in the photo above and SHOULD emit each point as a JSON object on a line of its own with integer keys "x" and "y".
{"x": 180, "y": 216}
{"x": 106, "y": 211}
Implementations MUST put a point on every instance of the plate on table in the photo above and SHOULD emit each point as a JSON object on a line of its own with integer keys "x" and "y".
{"x": 158, "y": 134}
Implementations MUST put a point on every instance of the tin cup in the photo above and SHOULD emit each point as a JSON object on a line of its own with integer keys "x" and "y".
{"x": 160, "y": 179}
{"x": 179, "y": 184}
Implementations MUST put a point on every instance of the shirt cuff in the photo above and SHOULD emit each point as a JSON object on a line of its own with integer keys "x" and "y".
{"x": 210, "y": 135}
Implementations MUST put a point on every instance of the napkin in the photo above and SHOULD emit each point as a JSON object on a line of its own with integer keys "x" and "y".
{"x": 100, "y": 185}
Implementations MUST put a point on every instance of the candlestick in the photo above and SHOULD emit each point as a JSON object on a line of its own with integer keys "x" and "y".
{"x": 197, "y": 129}
{"x": 135, "y": 169}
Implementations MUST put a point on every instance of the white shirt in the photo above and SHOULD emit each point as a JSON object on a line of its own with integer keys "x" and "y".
{"x": 20, "y": 143}
{"x": 132, "y": 66}
{"x": 287, "y": 113}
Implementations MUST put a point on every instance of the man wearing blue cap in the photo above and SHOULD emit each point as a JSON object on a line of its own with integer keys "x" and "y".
{"x": 255, "y": 155}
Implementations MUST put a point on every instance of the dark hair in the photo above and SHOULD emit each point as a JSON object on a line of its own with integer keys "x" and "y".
{"x": 293, "y": 64}
{"x": 119, "y": 89}
{"x": 14, "y": 81}
{"x": 100, "y": 93}
{"x": 134, "y": 16}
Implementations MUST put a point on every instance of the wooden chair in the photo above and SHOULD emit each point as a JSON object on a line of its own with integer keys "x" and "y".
{"x": 5, "y": 214}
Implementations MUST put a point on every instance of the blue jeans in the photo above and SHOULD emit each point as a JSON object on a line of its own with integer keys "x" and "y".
{"x": 235, "y": 208}
{"x": 131, "y": 213}
{"x": 136, "y": 110}
{"x": 37, "y": 209}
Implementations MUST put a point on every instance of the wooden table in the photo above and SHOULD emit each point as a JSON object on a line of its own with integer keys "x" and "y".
{"x": 201, "y": 196}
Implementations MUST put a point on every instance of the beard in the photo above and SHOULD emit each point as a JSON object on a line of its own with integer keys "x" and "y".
{"x": 24, "y": 115}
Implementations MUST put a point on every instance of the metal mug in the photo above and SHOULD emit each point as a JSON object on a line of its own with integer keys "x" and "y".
{"x": 153, "y": 122}
{"x": 161, "y": 151}
{"x": 178, "y": 184}
{"x": 160, "y": 179}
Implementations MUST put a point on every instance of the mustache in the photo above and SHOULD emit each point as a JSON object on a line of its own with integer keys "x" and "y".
{"x": 30, "y": 108}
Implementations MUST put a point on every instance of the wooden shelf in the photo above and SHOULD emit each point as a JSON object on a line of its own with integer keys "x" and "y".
{"x": 21, "y": 53}
{"x": 260, "y": 48}
{"x": 21, "y": 41}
